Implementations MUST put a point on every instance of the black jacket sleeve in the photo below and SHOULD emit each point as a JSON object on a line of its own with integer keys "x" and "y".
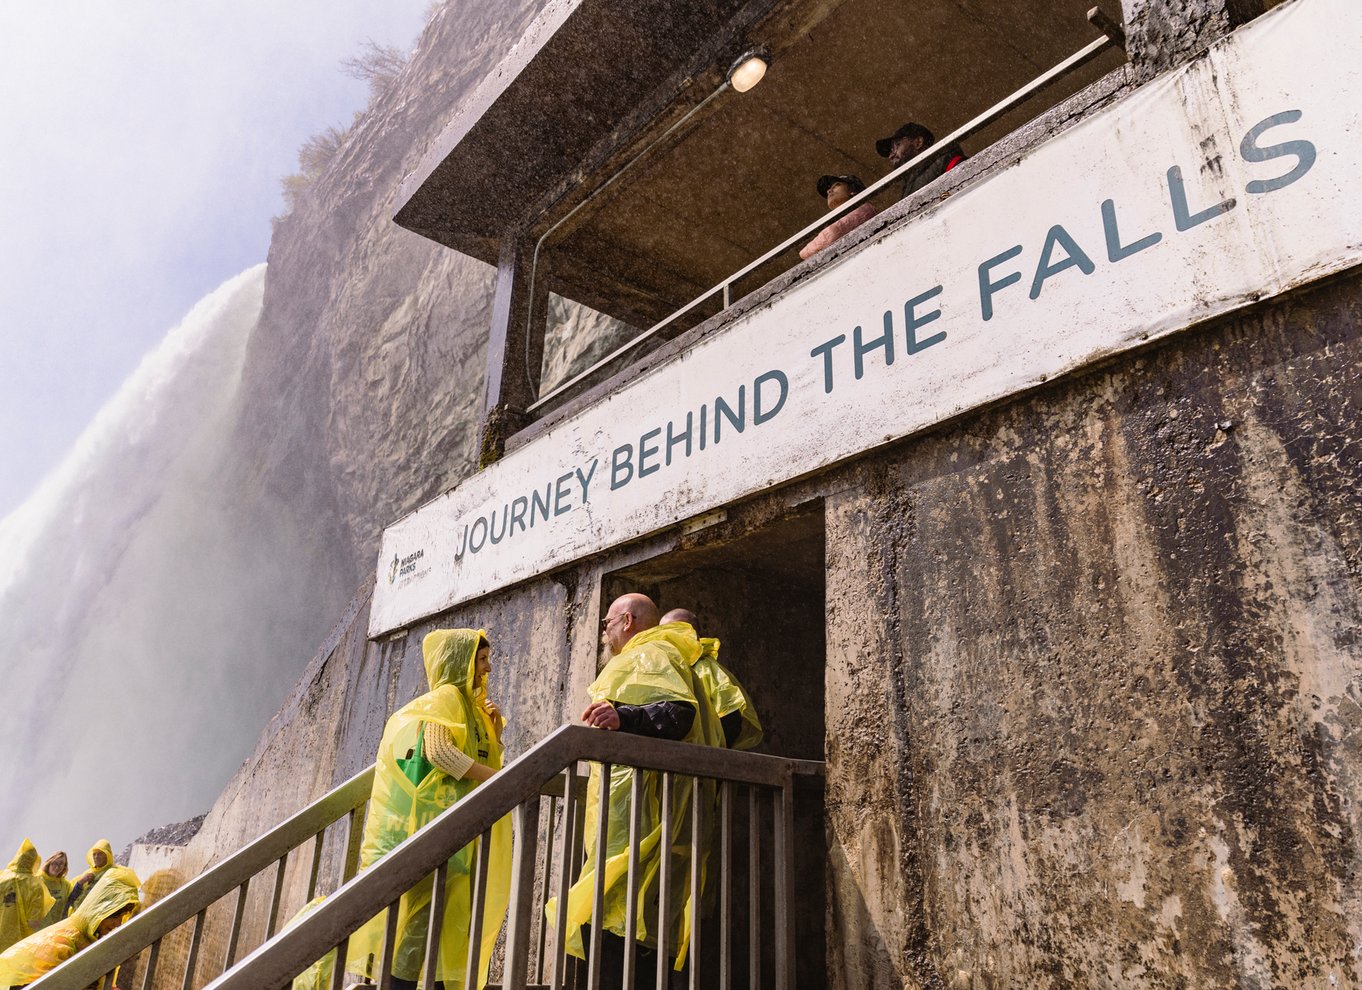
{"x": 661, "y": 720}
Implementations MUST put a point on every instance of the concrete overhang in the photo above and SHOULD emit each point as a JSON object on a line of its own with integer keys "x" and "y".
{"x": 582, "y": 66}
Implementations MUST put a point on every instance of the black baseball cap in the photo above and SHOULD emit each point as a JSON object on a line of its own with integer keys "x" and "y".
{"x": 885, "y": 144}
{"x": 825, "y": 183}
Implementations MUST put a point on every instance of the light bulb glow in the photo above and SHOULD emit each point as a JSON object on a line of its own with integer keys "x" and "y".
{"x": 747, "y": 73}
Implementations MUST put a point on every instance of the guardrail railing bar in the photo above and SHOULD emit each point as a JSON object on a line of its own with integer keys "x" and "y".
{"x": 558, "y": 976}
{"x": 437, "y": 920}
{"x": 315, "y": 867}
{"x": 238, "y": 914}
{"x": 153, "y": 958}
{"x": 516, "y": 968}
{"x": 277, "y": 962}
{"x": 276, "y": 897}
{"x": 782, "y": 808}
{"x": 631, "y": 877}
{"x": 1074, "y": 62}
{"x": 725, "y": 885}
{"x": 541, "y": 920}
{"x": 178, "y": 907}
{"x": 696, "y": 823}
{"x": 664, "y": 885}
{"x": 593, "y": 965}
{"x": 754, "y": 886}
{"x": 478, "y": 902}
{"x": 195, "y": 940}
{"x": 338, "y": 967}
{"x": 385, "y": 966}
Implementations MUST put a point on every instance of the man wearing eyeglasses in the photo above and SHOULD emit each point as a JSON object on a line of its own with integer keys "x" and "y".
{"x": 647, "y": 688}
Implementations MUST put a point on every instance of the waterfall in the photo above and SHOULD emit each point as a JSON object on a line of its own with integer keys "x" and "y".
{"x": 140, "y": 599}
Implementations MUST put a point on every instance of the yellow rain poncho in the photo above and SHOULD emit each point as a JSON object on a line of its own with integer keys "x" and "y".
{"x": 653, "y": 666}
{"x": 87, "y": 880}
{"x": 318, "y": 975}
{"x": 727, "y": 695}
{"x": 24, "y": 901}
{"x": 43, "y": 951}
{"x": 409, "y": 793}
{"x": 60, "y": 889}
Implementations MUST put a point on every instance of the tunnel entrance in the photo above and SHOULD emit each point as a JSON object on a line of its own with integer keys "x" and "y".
{"x": 763, "y": 596}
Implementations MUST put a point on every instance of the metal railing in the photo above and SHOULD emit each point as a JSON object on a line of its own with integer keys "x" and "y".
{"x": 136, "y": 947}
{"x": 1112, "y": 37}
{"x": 535, "y": 953}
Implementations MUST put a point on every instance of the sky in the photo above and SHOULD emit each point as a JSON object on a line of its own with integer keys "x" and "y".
{"x": 142, "y": 144}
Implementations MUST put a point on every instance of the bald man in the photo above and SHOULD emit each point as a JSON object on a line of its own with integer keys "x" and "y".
{"x": 731, "y": 703}
{"x": 647, "y": 688}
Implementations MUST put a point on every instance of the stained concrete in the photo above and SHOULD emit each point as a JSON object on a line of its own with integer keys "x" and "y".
{"x": 1107, "y": 723}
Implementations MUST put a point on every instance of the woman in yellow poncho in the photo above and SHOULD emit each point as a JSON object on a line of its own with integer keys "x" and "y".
{"x": 100, "y": 857}
{"x": 23, "y": 898}
{"x": 434, "y": 751}
{"x": 54, "y": 879}
{"x": 112, "y": 901}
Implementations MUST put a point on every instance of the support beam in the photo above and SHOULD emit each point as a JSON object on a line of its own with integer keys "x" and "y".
{"x": 515, "y": 348}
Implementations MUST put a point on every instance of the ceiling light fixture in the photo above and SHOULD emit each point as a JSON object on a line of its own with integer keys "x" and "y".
{"x": 749, "y": 69}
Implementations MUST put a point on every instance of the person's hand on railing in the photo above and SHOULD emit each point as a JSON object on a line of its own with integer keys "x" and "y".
{"x": 601, "y": 715}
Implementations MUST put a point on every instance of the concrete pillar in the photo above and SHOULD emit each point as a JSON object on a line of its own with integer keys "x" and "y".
{"x": 1164, "y": 33}
{"x": 515, "y": 348}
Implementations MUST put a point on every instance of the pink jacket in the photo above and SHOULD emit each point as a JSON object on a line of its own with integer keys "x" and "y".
{"x": 838, "y": 228}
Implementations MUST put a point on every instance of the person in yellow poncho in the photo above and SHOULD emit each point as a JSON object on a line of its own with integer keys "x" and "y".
{"x": 23, "y": 899}
{"x": 434, "y": 751}
{"x": 112, "y": 901}
{"x": 733, "y": 705}
{"x": 54, "y": 879}
{"x": 318, "y": 975}
{"x": 100, "y": 857}
{"x": 647, "y": 688}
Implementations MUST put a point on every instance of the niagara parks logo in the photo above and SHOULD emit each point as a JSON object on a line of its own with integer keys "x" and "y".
{"x": 404, "y": 566}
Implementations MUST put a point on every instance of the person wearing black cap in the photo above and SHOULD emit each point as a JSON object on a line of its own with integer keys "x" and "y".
{"x": 907, "y": 143}
{"x": 837, "y": 189}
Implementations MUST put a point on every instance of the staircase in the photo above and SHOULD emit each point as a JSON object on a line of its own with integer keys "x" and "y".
{"x": 544, "y": 793}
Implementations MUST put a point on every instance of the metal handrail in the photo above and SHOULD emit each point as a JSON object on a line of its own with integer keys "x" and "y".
{"x": 203, "y": 891}
{"x": 276, "y": 962}
{"x": 1111, "y": 38}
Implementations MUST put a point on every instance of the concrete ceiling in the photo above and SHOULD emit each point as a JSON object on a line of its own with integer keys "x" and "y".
{"x": 741, "y": 180}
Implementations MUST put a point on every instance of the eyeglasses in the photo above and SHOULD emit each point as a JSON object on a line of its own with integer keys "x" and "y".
{"x": 605, "y": 623}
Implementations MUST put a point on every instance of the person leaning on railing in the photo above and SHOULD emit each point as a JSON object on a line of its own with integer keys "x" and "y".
{"x": 434, "y": 751}
{"x": 110, "y": 902}
{"x": 907, "y": 143}
{"x": 837, "y": 189}
{"x": 649, "y": 689}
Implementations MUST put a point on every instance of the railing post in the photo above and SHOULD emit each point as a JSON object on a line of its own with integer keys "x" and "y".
{"x": 696, "y": 826}
{"x": 385, "y": 965}
{"x": 516, "y": 970}
{"x": 195, "y": 940}
{"x": 725, "y": 885}
{"x": 593, "y": 959}
{"x": 541, "y": 921}
{"x": 664, "y": 887}
{"x": 565, "y": 871}
{"x": 754, "y": 886}
{"x": 278, "y": 894}
{"x": 783, "y": 807}
{"x": 477, "y": 907}
{"x": 437, "y": 921}
{"x": 237, "y": 914}
{"x": 631, "y": 892}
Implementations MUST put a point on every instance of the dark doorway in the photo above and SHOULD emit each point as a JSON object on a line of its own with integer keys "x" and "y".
{"x": 762, "y": 594}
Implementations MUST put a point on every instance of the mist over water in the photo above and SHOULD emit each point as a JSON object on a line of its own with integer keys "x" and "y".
{"x": 151, "y": 617}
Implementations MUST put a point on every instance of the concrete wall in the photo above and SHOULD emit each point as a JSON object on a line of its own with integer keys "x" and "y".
{"x": 1104, "y": 732}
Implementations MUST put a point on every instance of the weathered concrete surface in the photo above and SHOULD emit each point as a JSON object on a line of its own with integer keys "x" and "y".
{"x": 1163, "y": 33}
{"x": 1106, "y": 731}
